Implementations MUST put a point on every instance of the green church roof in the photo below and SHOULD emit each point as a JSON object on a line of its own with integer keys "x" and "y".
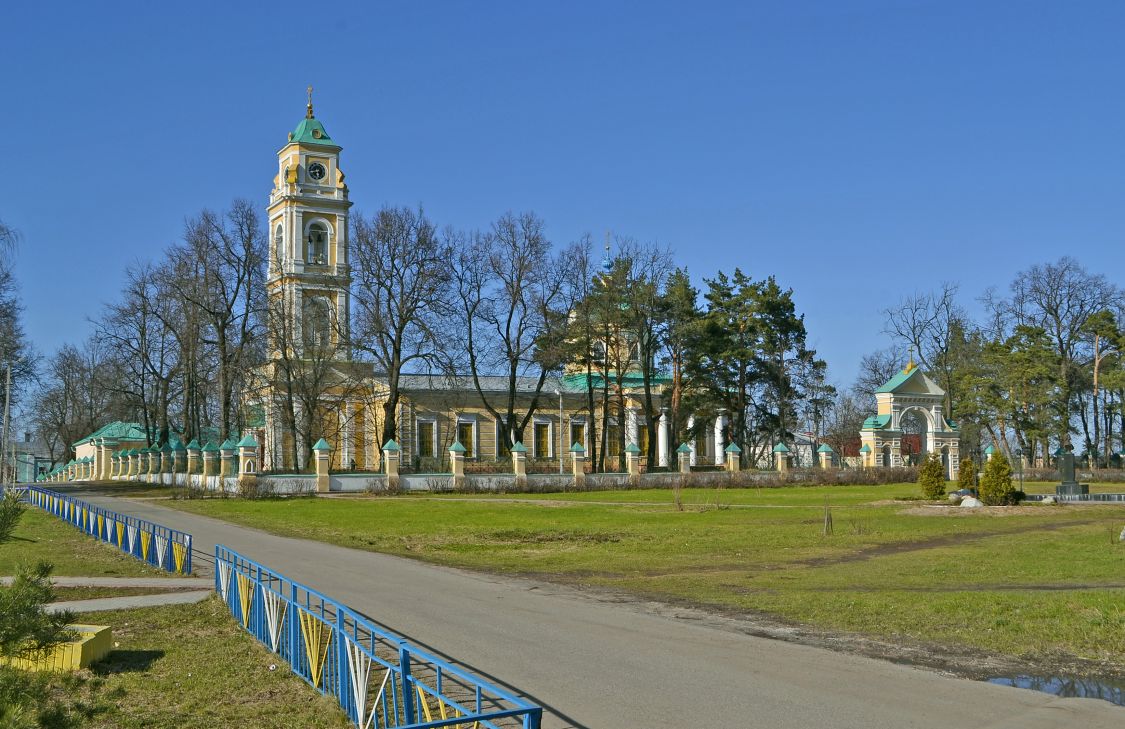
{"x": 311, "y": 131}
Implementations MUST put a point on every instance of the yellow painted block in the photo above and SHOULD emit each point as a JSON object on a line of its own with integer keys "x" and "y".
{"x": 93, "y": 643}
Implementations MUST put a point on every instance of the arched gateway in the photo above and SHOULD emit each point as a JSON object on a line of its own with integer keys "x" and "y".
{"x": 910, "y": 404}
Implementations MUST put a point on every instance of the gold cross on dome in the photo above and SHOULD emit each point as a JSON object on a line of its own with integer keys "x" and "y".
{"x": 309, "y": 112}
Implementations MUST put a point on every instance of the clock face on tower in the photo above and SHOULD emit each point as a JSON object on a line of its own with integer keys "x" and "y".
{"x": 317, "y": 171}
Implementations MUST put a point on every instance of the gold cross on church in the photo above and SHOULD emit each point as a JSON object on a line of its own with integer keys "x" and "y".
{"x": 309, "y": 112}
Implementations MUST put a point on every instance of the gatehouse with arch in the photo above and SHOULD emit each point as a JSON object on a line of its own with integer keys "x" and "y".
{"x": 910, "y": 423}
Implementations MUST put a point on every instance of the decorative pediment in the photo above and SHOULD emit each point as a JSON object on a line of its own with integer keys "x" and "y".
{"x": 912, "y": 381}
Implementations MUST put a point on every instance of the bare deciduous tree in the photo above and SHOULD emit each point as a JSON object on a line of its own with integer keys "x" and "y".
{"x": 400, "y": 295}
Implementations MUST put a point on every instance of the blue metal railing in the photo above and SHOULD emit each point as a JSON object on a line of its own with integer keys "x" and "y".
{"x": 380, "y": 680}
{"x": 168, "y": 549}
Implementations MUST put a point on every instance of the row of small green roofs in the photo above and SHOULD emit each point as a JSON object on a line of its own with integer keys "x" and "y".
{"x": 176, "y": 446}
{"x": 519, "y": 447}
{"x": 824, "y": 448}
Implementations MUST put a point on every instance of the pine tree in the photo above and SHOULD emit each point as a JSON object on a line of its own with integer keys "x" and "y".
{"x": 931, "y": 477}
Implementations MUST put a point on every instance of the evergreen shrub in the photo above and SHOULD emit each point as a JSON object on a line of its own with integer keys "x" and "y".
{"x": 996, "y": 483}
{"x": 967, "y": 475}
{"x": 931, "y": 477}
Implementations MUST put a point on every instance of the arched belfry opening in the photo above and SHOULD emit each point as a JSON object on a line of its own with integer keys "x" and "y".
{"x": 910, "y": 423}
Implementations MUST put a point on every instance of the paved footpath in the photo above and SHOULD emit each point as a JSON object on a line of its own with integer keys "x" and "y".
{"x": 593, "y": 663}
{"x": 126, "y": 602}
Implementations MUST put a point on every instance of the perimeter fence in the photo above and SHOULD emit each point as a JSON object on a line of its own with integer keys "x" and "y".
{"x": 158, "y": 545}
{"x": 380, "y": 679}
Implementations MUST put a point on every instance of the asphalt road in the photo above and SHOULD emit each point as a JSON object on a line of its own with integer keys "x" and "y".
{"x": 596, "y": 663}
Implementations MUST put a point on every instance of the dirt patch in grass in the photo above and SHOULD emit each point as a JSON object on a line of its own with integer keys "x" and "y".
{"x": 948, "y": 540}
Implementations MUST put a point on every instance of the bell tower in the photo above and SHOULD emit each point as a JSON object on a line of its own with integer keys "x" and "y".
{"x": 308, "y": 276}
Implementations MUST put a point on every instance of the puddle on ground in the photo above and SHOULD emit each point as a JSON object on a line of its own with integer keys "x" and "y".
{"x": 1067, "y": 687}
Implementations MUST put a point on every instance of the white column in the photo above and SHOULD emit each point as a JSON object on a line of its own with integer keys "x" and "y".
{"x": 662, "y": 437}
{"x": 720, "y": 421}
{"x": 346, "y": 435}
{"x": 299, "y": 413}
{"x": 691, "y": 443}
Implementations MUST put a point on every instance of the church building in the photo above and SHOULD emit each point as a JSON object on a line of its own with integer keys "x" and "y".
{"x": 309, "y": 286}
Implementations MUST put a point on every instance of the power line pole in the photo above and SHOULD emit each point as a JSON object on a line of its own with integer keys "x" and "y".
{"x": 7, "y": 409}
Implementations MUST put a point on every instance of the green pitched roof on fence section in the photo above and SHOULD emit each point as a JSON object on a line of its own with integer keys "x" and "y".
{"x": 825, "y": 448}
{"x": 117, "y": 430}
{"x": 781, "y": 448}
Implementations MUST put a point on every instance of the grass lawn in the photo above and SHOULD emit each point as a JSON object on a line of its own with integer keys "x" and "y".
{"x": 188, "y": 666}
{"x": 41, "y": 536}
{"x": 173, "y": 666}
{"x": 1034, "y": 581}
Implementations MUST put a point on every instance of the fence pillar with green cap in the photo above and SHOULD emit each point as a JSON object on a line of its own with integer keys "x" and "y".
{"x": 391, "y": 453}
{"x": 578, "y": 464}
{"x": 519, "y": 463}
{"x": 633, "y": 464}
{"x": 226, "y": 458}
{"x": 322, "y": 452}
{"x": 825, "y": 454}
{"x": 167, "y": 460}
{"x": 734, "y": 458}
{"x": 781, "y": 457}
{"x": 179, "y": 460}
{"x": 193, "y": 456}
{"x": 457, "y": 463}
{"x": 248, "y": 455}
{"x": 153, "y": 461}
{"x": 210, "y": 454}
{"x": 684, "y": 454}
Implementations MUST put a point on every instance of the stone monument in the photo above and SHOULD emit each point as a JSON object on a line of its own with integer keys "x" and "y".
{"x": 1069, "y": 486}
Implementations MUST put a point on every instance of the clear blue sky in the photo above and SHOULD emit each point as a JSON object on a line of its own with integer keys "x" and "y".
{"x": 859, "y": 151}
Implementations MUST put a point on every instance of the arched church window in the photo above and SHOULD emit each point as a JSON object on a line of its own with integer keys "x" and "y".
{"x": 316, "y": 323}
{"x": 318, "y": 244}
{"x": 278, "y": 239}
